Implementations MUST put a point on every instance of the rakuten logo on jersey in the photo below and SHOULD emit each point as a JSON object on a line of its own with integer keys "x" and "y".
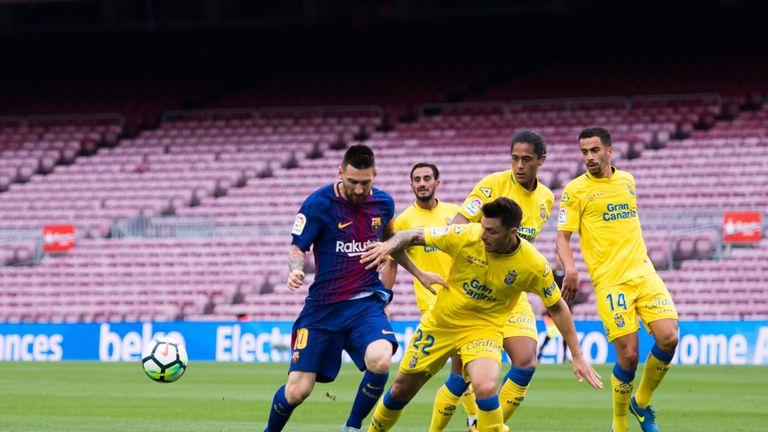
{"x": 353, "y": 248}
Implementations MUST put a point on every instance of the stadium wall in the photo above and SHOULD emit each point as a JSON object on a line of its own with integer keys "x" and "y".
{"x": 701, "y": 342}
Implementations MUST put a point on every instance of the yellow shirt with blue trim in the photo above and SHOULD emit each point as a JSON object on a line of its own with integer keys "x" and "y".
{"x": 604, "y": 213}
{"x": 427, "y": 258}
{"x": 483, "y": 287}
{"x": 536, "y": 204}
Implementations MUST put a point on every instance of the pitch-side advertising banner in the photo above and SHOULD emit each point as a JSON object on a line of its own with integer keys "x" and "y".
{"x": 701, "y": 342}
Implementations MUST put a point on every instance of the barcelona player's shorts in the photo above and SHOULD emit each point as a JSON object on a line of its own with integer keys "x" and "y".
{"x": 522, "y": 321}
{"x": 430, "y": 348}
{"x": 321, "y": 332}
{"x": 645, "y": 297}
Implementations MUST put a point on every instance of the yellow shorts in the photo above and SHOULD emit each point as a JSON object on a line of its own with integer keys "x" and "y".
{"x": 620, "y": 305}
{"x": 430, "y": 348}
{"x": 522, "y": 321}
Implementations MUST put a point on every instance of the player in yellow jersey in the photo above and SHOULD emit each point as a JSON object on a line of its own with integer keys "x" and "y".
{"x": 492, "y": 268}
{"x": 601, "y": 205}
{"x": 426, "y": 211}
{"x": 520, "y": 336}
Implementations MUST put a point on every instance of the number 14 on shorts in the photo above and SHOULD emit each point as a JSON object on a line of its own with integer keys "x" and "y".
{"x": 621, "y": 301}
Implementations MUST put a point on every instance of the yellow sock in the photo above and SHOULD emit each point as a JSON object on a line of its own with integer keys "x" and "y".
{"x": 511, "y": 396}
{"x": 622, "y": 392}
{"x": 653, "y": 373}
{"x": 468, "y": 399}
{"x": 383, "y": 418}
{"x": 443, "y": 409}
{"x": 490, "y": 421}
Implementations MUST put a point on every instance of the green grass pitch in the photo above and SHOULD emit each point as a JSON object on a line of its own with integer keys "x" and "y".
{"x": 91, "y": 396}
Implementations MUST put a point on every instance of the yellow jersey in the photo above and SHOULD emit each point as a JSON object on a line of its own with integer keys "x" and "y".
{"x": 604, "y": 213}
{"x": 483, "y": 287}
{"x": 427, "y": 258}
{"x": 536, "y": 204}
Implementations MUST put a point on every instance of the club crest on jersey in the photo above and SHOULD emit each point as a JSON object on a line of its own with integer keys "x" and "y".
{"x": 631, "y": 189}
{"x": 565, "y": 197}
{"x": 473, "y": 207}
{"x": 414, "y": 360}
{"x": 619, "y": 320}
{"x": 487, "y": 192}
{"x": 509, "y": 279}
{"x": 375, "y": 223}
{"x": 298, "y": 224}
{"x": 543, "y": 211}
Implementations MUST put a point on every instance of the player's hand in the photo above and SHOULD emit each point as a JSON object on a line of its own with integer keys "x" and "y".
{"x": 295, "y": 279}
{"x": 376, "y": 255}
{"x": 584, "y": 371}
{"x": 570, "y": 285}
{"x": 428, "y": 279}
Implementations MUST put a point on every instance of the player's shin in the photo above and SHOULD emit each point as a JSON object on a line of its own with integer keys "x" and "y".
{"x": 489, "y": 415}
{"x": 513, "y": 390}
{"x": 656, "y": 367}
{"x": 280, "y": 411}
{"x": 368, "y": 393}
{"x": 621, "y": 383}
{"x": 470, "y": 405}
{"x": 387, "y": 413}
{"x": 446, "y": 400}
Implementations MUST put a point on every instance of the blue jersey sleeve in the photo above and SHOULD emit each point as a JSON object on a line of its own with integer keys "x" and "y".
{"x": 308, "y": 222}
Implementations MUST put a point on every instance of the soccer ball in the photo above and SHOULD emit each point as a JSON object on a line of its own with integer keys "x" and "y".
{"x": 164, "y": 359}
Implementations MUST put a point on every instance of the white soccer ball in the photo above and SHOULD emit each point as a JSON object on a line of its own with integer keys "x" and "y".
{"x": 164, "y": 359}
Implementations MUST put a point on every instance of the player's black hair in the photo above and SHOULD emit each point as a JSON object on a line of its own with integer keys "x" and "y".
{"x": 505, "y": 209}
{"x": 594, "y": 131}
{"x": 532, "y": 138}
{"x": 435, "y": 171}
{"x": 359, "y": 156}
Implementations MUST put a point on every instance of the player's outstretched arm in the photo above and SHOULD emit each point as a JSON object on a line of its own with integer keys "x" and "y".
{"x": 377, "y": 253}
{"x": 565, "y": 253}
{"x": 427, "y": 279}
{"x": 561, "y": 315}
{"x": 295, "y": 267}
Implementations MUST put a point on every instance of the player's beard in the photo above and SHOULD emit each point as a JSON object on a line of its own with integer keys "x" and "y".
{"x": 425, "y": 199}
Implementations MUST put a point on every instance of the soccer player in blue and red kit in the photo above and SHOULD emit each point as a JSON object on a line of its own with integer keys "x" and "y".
{"x": 345, "y": 306}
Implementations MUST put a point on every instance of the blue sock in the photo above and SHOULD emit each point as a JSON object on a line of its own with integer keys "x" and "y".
{"x": 280, "y": 412}
{"x": 392, "y": 403}
{"x": 521, "y": 377}
{"x": 488, "y": 404}
{"x": 456, "y": 384}
{"x": 371, "y": 388}
{"x": 622, "y": 374}
{"x": 661, "y": 355}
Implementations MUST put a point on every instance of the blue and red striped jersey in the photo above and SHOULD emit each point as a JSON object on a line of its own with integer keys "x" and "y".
{"x": 338, "y": 231}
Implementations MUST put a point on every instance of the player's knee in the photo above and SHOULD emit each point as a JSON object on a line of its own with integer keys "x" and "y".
{"x": 628, "y": 360}
{"x": 400, "y": 392}
{"x": 295, "y": 393}
{"x": 484, "y": 389}
{"x": 379, "y": 364}
{"x": 526, "y": 363}
{"x": 668, "y": 342}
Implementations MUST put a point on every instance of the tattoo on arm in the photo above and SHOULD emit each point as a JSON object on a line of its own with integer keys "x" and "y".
{"x": 406, "y": 239}
{"x": 295, "y": 259}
